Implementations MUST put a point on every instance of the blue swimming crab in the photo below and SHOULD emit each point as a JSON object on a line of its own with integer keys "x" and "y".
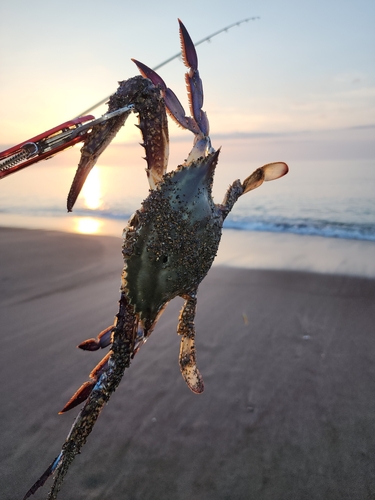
{"x": 169, "y": 244}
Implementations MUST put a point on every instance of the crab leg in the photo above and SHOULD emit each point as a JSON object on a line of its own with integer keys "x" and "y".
{"x": 174, "y": 107}
{"x": 98, "y": 139}
{"x": 187, "y": 357}
{"x": 110, "y": 377}
{"x": 198, "y": 123}
{"x": 146, "y": 101}
{"x": 103, "y": 340}
{"x": 193, "y": 81}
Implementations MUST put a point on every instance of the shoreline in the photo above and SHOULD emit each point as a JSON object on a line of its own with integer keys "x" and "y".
{"x": 285, "y": 251}
{"x": 264, "y": 250}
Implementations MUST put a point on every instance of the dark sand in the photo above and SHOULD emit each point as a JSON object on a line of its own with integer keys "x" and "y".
{"x": 288, "y": 410}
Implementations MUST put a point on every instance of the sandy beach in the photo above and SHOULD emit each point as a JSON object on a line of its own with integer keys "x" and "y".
{"x": 286, "y": 351}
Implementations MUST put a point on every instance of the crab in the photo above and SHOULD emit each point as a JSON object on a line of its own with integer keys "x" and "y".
{"x": 169, "y": 244}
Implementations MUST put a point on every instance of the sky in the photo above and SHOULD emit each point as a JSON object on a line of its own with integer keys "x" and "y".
{"x": 298, "y": 82}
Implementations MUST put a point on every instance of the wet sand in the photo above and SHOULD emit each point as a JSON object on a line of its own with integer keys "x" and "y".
{"x": 287, "y": 357}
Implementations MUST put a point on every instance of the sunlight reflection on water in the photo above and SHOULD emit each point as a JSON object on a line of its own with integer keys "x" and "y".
{"x": 327, "y": 198}
{"x": 88, "y": 225}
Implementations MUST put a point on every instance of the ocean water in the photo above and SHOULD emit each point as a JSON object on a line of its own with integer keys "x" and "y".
{"x": 324, "y": 198}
